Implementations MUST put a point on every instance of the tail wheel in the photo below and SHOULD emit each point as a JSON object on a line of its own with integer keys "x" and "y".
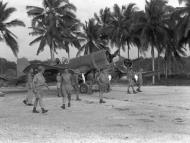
{"x": 84, "y": 88}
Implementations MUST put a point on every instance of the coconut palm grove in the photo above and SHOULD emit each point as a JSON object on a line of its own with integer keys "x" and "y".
{"x": 103, "y": 109}
{"x": 159, "y": 27}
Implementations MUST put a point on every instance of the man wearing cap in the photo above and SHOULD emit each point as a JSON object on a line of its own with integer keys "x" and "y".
{"x": 66, "y": 87}
{"x": 39, "y": 83}
{"x": 103, "y": 81}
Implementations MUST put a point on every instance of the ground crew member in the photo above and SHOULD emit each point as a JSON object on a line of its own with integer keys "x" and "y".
{"x": 58, "y": 78}
{"x": 140, "y": 80}
{"x": 29, "y": 86}
{"x": 39, "y": 83}
{"x": 75, "y": 83}
{"x": 66, "y": 88}
{"x": 103, "y": 81}
{"x": 130, "y": 76}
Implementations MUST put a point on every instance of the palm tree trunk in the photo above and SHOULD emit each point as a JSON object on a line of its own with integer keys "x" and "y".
{"x": 166, "y": 69}
{"x": 153, "y": 64}
{"x": 169, "y": 66}
{"x": 119, "y": 53}
{"x": 68, "y": 55}
{"x": 138, "y": 53}
{"x": 1, "y": 66}
{"x": 52, "y": 55}
{"x": 158, "y": 65}
{"x": 128, "y": 48}
{"x": 52, "y": 52}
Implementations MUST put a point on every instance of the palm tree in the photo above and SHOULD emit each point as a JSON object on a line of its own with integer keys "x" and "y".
{"x": 91, "y": 38}
{"x": 152, "y": 27}
{"x": 173, "y": 48}
{"x": 6, "y": 34}
{"x": 54, "y": 23}
{"x": 103, "y": 20}
{"x": 119, "y": 26}
{"x": 183, "y": 27}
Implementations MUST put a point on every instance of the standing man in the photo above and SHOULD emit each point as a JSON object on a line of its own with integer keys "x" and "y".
{"x": 140, "y": 80}
{"x": 66, "y": 87}
{"x": 103, "y": 81}
{"x": 29, "y": 86}
{"x": 75, "y": 83}
{"x": 131, "y": 81}
{"x": 58, "y": 78}
{"x": 39, "y": 84}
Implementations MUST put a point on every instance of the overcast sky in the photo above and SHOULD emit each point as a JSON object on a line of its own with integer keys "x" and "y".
{"x": 85, "y": 10}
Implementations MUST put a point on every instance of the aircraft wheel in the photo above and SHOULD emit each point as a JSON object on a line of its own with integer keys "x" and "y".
{"x": 84, "y": 88}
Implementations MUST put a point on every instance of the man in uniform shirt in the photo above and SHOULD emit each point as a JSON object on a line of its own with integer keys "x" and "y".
{"x": 130, "y": 76}
{"x": 103, "y": 81}
{"x": 75, "y": 83}
{"x": 66, "y": 88}
{"x": 140, "y": 80}
{"x": 29, "y": 85}
{"x": 39, "y": 84}
{"x": 58, "y": 78}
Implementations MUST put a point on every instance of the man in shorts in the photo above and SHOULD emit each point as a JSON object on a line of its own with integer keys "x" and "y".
{"x": 103, "y": 81}
{"x": 29, "y": 97}
{"x": 130, "y": 76}
{"x": 39, "y": 83}
{"x": 139, "y": 81}
{"x": 75, "y": 83}
{"x": 66, "y": 88}
{"x": 58, "y": 78}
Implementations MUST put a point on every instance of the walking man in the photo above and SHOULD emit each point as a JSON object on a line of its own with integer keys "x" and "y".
{"x": 39, "y": 84}
{"x": 29, "y": 86}
{"x": 75, "y": 83}
{"x": 103, "y": 81}
{"x": 58, "y": 78}
{"x": 131, "y": 81}
{"x": 140, "y": 80}
{"x": 66, "y": 88}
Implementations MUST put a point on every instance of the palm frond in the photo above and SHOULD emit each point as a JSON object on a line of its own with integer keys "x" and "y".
{"x": 11, "y": 42}
{"x": 15, "y": 22}
{"x": 42, "y": 45}
{"x": 38, "y": 39}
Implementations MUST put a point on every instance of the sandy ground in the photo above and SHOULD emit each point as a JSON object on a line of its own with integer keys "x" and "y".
{"x": 158, "y": 115}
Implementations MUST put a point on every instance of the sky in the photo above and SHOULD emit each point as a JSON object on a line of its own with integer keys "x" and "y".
{"x": 85, "y": 10}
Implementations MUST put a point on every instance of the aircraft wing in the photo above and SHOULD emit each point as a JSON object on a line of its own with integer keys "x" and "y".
{"x": 149, "y": 73}
{"x": 46, "y": 66}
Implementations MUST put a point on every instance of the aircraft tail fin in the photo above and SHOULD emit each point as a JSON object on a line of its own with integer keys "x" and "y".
{"x": 22, "y": 63}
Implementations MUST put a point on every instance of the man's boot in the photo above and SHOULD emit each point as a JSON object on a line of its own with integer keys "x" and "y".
{"x": 63, "y": 106}
{"x": 78, "y": 99}
{"x": 34, "y": 110}
{"x": 134, "y": 92}
{"x": 128, "y": 92}
{"x": 138, "y": 90}
{"x": 44, "y": 110}
{"x": 102, "y": 101}
{"x": 25, "y": 102}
